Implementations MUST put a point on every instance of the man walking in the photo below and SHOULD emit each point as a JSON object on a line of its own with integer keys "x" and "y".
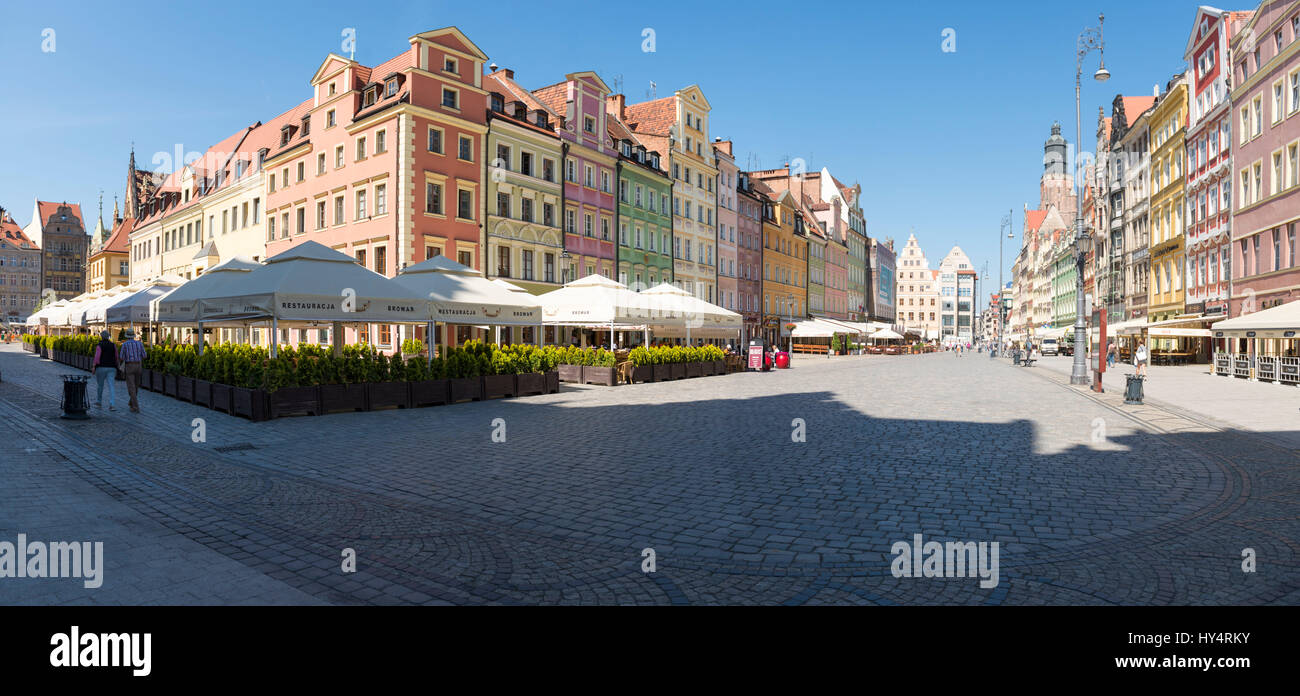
{"x": 104, "y": 365}
{"x": 132, "y": 355}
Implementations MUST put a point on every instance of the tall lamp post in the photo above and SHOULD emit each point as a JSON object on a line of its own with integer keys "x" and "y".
{"x": 1006, "y": 225}
{"x": 1091, "y": 38}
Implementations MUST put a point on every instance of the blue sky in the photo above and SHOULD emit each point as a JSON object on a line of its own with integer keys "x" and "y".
{"x": 942, "y": 143}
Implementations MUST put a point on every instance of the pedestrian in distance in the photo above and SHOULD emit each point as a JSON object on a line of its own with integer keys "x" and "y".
{"x": 1140, "y": 358}
{"x": 1110, "y": 353}
{"x": 132, "y": 354}
{"x": 104, "y": 365}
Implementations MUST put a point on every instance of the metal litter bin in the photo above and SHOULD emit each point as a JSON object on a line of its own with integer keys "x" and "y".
{"x": 1133, "y": 389}
{"x": 74, "y": 397}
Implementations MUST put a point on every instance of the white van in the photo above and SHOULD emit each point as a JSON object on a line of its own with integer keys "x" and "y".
{"x": 1050, "y": 346}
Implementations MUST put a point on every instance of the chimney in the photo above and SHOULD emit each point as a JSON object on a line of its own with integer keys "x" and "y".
{"x": 1155, "y": 90}
{"x": 616, "y": 104}
{"x": 509, "y": 73}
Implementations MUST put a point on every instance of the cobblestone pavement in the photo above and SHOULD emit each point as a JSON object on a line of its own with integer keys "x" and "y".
{"x": 1091, "y": 502}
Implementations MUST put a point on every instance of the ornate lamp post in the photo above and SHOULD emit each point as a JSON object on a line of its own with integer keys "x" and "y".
{"x": 1091, "y": 38}
{"x": 1006, "y": 225}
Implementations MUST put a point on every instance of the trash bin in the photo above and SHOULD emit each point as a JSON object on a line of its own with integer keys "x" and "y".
{"x": 74, "y": 397}
{"x": 1015, "y": 357}
{"x": 1133, "y": 389}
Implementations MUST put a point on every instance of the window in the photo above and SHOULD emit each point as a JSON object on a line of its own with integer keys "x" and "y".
{"x": 320, "y": 215}
{"x": 589, "y": 124}
{"x": 361, "y": 257}
{"x": 549, "y": 268}
{"x": 361, "y": 149}
{"x": 604, "y": 182}
{"x": 361, "y": 205}
{"x": 381, "y": 199}
{"x": 432, "y": 251}
{"x": 449, "y": 65}
{"x": 1257, "y": 107}
{"x": 320, "y": 164}
{"x": 381, "y": 141}
{"x": 272, "y": 183}
{"x": 464, "y": 258}
{"x": 503, "y": 261}
{"x": 1279, "y": 106}
{"x": 449, "y": 98}
{"x": 526, "y": 163}
{"x": 526, "y": 209}
{"x": 302, "y": 171}
{"x": 569, "y": 223}
{"x": 590, "y": 180}
{"x": 466, "y": 148}
{"x": 527, "y": 257}
{"x": 301, "y": 215}
{"x": 338, "y": 157}
{"x": 588, "y": 227}
{"x": 270, "y": 230}
{"x": 331, "y": 118}
{"x": 391, "y": 88}
{"x": 548, "y": 170}
{"x": 1277, "y": 249}
{"x": 435, "y": 140}
{"x": 433, "y": 198}
{"x": 548, "y": 214}
{"x": 503, "y": 157}
{"x": 284, "y": 226}
{"x": 604, "y": 229}
{"x": 503, "y": 205}
{"x": 465, "y": 204}
{"x": 338, "y": 210}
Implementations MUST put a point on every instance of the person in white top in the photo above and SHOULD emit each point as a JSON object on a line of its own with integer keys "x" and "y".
{"x": 1140, "y": 358}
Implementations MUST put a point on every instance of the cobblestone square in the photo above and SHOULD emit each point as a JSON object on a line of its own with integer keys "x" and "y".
{"x": 1090, "y": 501}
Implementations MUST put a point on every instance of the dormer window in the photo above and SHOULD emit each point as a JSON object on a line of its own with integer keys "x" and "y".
{"x": 449, "y": 65}
{"x": 285, "y": 134}
{"x": 520, "y": 110}
{"x": 498, "y": 103}
{"x": 391, "y": 88}
{"x": 306, "y": 125}
{"x": 627, "y": 149}
{"x": 540, "y": 119}
{"x": 371, "y": 96}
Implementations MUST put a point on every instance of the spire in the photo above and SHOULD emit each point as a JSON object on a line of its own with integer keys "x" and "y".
{"x": 117, "y": 215}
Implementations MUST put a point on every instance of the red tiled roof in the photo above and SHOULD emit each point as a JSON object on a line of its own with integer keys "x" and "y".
{"x": 119, "y": 241}
{"x": 555, "y": 97}
{"x": 1136, "y": 106}
{"x": 512, "y": 91}
{"x": 1034, "y": 219}
{"x": 47, "y": 209}
{"x": 12, "y": 233}
{"x": 654, "y": 117}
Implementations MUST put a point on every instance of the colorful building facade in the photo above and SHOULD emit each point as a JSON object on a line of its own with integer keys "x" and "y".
{"x": 525, "y": 242}
{"x": 727, "y": 223}
{"x": 749, "y": 254}
{"x": 589, "y": 172}
{"x": 1266, "y": 158}
{"x": 785, "y": 263}
{"x": 20, "y": 271}
{"x": 59, "y": 231}
{"x": 1168, "y": 188}
{"x": 645, "y": 219}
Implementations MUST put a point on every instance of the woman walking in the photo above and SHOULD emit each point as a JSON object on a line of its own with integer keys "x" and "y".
{"x": 105, "y": 367}
{"x": 1140, "y": 358}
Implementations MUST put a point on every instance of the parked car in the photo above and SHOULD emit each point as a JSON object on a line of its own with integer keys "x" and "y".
{"x": 1050, "y": 346}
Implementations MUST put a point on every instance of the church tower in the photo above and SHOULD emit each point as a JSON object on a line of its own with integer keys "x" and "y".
{"x": 1056, "y": 187}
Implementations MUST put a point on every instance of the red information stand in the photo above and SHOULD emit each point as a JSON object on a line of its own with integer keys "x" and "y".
{"x": 1099, "y": 353}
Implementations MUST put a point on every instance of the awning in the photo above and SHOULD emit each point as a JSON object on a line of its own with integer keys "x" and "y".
{"x": 812, "y": 328}
{"x": 1176, "y": 332}
{"x": 461, "y": 296}
{"x": 595, "y": 299}
{"x": 1282, "y": 321}
{"x": 885, "y": 335}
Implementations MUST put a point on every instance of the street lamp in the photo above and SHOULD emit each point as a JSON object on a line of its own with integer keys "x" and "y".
{"x": 789, "y": 313}
{"x": 566, "y": 266}
{"x": 1006, "y": 224}
{"x": 1089, "y": 39}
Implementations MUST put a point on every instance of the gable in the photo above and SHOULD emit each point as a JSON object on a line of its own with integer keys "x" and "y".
{"x": 694, "y": 96}
{"x": 453, "y": 39}
{"x": 332, "y": 64}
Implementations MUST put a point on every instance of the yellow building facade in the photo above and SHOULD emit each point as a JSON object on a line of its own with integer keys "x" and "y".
{"x": 785, "y": 264}
{"x": 1168, "y": 128}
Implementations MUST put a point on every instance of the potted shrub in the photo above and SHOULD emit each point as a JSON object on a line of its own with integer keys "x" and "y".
{"x": 203, "y": 367}
{"x": 643, "y": 369}
{"x": 531, "y": 377}
{"x": 571, "y": 362}
{"x": 499, "y": 380}
{"x": 463, "y": 383}
{"x": 184, "y": 373}
{"x": 387, "y": 387}
{"x": 677, "y": 362}
{"x": 247, "y": 396}
{"x": 694, "y": 363}
{"x": 715, "y": 355}
{"x": 659, "y": 358}
{"x": 342, "y": 383}
{"x": 291, "y": 385}
{"x": 600, "y": 369}
{"x": 428, "y": 379}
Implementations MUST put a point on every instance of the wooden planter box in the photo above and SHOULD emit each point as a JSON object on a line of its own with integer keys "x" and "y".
{"x": 85, "y": 362}
{"x": 468, "y": 389}
{"x": 530, "y": 383}
{"x": 249, "y": 403}
{"x": 432, "y": 392}
{"x": 694, "y": 369}
{"x": 342, "y": 397}
{"x": 719, "y": 367}
{"x": 553, "y": 382}
{"x": 185, "y": 388}
{"x": 497, "y": 386}
{"x": 292, "y": 400}
{"x": 203, "y": 393}
{"x": 571, "y": 373}
{"x": 170, "y": 385}
{"x": 222, "y": 397}
{"x": 644, "y": 373}
{"x": 387, "y": 395}
{"x": 677, "y": 371}
{"x": 606, "y": 376}
{"x": 663, "y": 373}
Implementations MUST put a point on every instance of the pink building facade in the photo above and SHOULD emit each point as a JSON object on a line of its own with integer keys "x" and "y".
{"x": 749, "y": 254}
{"x": 728, "y": 226}
{"x": 1266, "y": 158}
{"x": 590, "y": 174}
{"x": 1209, "y": 163}
{"x": 387, "y": 163}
